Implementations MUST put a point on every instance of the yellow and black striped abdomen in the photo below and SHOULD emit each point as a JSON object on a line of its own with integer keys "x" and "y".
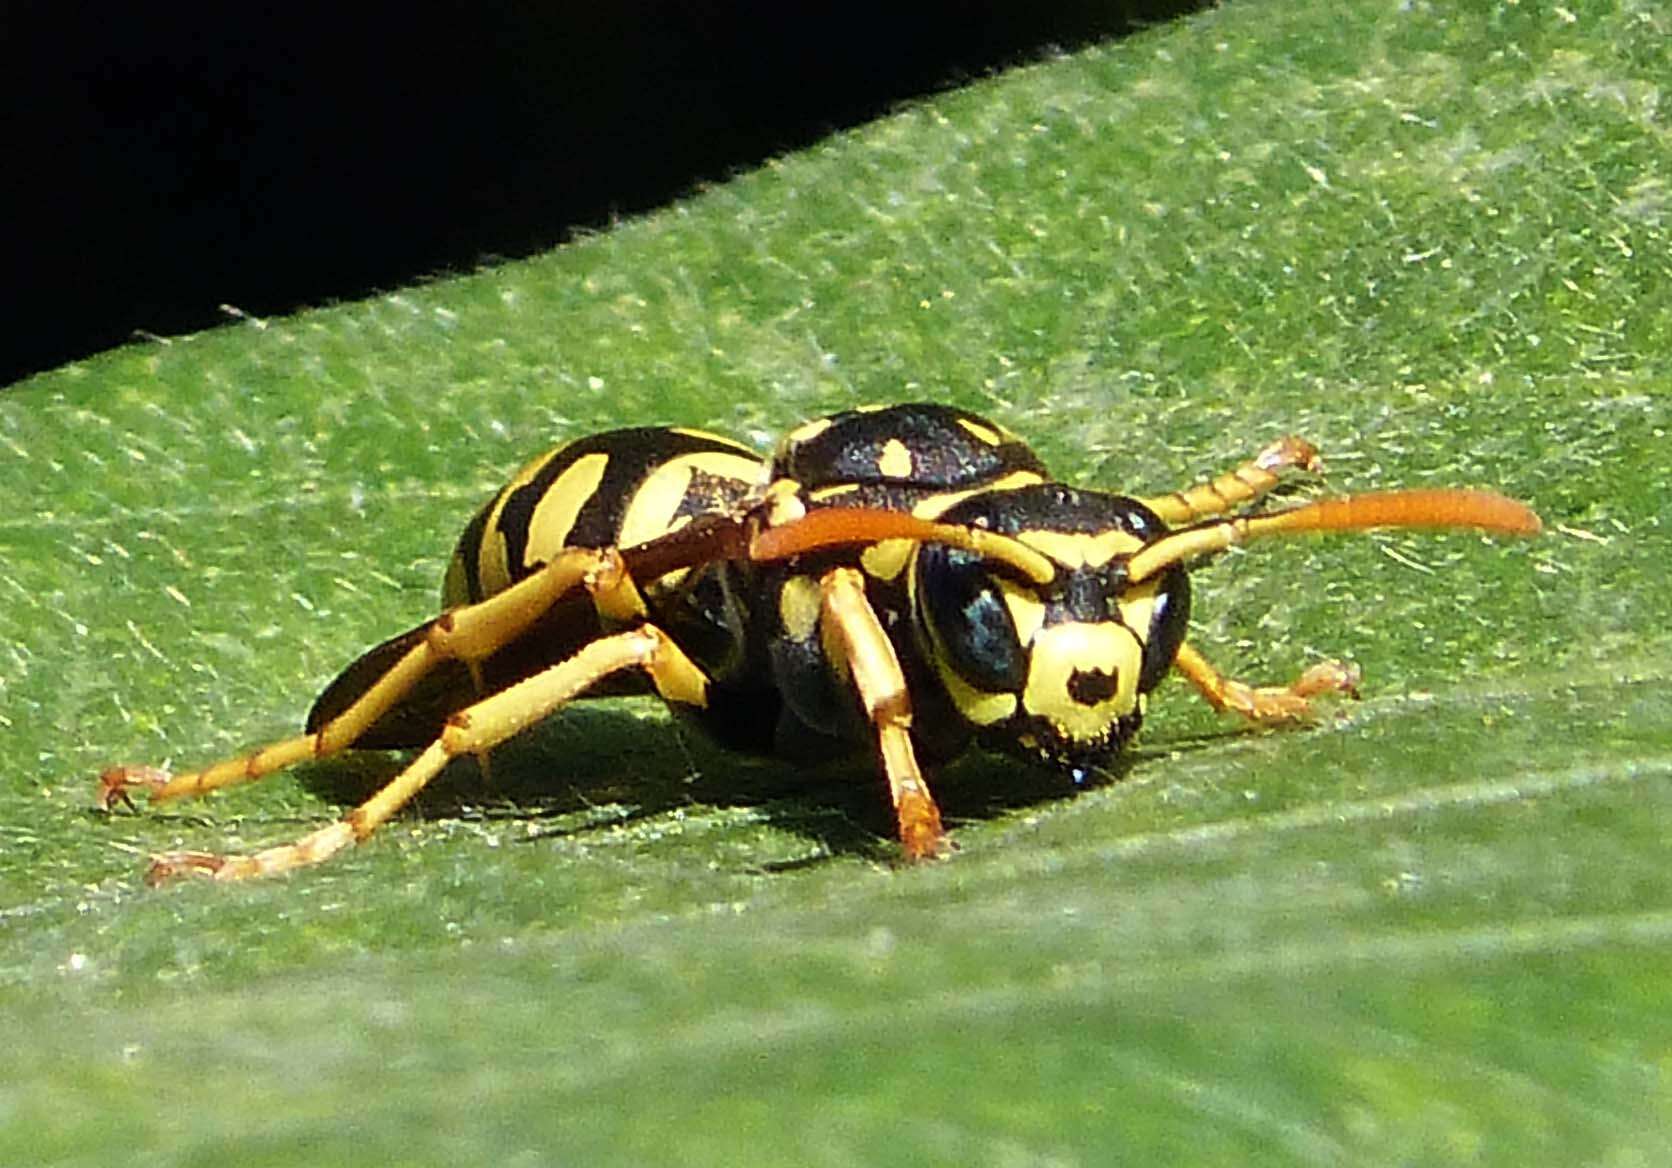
{"x": 616, "y": 489}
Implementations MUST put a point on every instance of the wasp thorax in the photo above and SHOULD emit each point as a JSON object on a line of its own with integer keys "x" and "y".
{"x": 1056, "y": 670}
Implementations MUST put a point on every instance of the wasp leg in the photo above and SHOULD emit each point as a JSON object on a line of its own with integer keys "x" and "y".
{"x": 469, "y": 633}
{"x": 484, "y": 758}
{"x": 1266, "y": 703}
{"x": 470, "y": 731}
{"x": 855, "y": 640}
{"x": 1232, "y": 489}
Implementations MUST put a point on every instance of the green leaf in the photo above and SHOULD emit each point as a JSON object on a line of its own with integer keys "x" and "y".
{"x": 1434, "y": 928}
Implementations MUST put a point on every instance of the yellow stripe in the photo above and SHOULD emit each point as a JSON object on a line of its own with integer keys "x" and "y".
{"x": 1081, "y": 550}
{"x": 721, "y": 439}
{"x": 806, "y": 432}
{"x": 554, "y": 515}
{"x": 798, "y": 607}
{"x": 936, "y": 505}
{"x": 981, "y": 708}
{"x": 455, "y": 586}
{"x": 493, "y": 567}
{"x": 655, "y": 501}
{"x": 651, "y": 510}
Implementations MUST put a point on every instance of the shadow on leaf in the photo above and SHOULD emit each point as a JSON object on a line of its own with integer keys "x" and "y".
{"x": 612, "y": 765}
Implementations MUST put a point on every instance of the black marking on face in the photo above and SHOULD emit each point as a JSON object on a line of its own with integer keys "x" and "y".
{"x": 1091, "y": 687}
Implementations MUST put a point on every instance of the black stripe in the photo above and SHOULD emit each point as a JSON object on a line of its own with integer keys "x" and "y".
{"x": 633, "y": 455}
{"x": 469, "y": 552}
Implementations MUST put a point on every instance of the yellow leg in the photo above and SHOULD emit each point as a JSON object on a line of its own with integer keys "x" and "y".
{"x": 469, "y": 634}
{"x": 854, "y": 637}
{"x": 1266, "y": 703}
{"x": 478, "y": 688}
{"x": 1242, "y": 485}
{"x": 470, "y": 731}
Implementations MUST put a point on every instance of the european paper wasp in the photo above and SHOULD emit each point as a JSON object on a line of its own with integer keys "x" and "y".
{"x": 903, "y": 581}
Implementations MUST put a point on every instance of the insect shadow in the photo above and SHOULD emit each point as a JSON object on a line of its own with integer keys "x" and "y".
{"x": 604, "y": 766}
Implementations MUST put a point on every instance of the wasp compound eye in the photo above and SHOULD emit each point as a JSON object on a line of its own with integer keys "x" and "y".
{"x": 969, "y": 620}
{"x": 1169, "y": 617}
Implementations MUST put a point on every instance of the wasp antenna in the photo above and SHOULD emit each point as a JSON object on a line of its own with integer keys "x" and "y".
{"x": 1438, "y": 508}
{"x": 846, "y": 526}
{"x": 1432, "y": 508}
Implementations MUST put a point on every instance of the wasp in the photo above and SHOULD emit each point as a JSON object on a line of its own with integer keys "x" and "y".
{"x": 904, "y": 582}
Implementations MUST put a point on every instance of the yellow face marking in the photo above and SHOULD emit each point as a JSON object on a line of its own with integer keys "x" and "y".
{"x": 1115, "y": 543}
{"x": 824, "y": 494}
{"x": 895, "y": 460}
{"x": 935, "y": 505}
{"x": 1061, "y": 651}
{"x": 1137, "y": 607}
{"x": 1027, "y": 611}
{"x": 887, "y": 559}
{"x": 981, "y": 433}
{"x": 1087, "y": 550}
{"x": 983, "y": 709}
{"x": 554, "y": 515}
{"x": 798, "y": 607}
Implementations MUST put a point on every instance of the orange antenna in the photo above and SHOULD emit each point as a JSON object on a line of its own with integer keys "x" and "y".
{"x": 1433, "y": 508}
{"x": 841, "y": 526}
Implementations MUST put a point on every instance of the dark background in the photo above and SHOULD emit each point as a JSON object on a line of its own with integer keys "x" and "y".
{"x": 162, "y": 163}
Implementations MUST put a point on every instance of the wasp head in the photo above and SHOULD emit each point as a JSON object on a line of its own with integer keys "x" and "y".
{"x": 1055, "y": 670}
